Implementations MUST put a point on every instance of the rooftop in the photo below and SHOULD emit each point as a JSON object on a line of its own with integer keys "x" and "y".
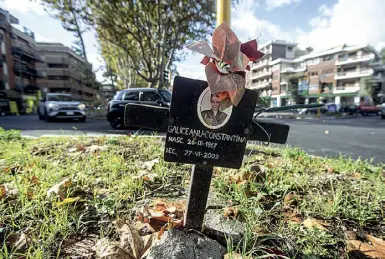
{"x": 277, "y": 42}
{"x": 334, "y": 50}
{"x": 56, "y": 47}
{"x": 9, "y": 17}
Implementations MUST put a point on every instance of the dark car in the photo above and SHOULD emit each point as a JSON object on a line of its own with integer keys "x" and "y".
{"x": 4, "y": 107}
{"x": 144, "y": 96}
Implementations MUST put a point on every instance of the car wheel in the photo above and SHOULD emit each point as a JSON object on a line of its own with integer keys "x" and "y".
{"x": 41, "y": 117}
{"x": 83, "y": 119}
{"x": 46, "y": 117}
{"x": 383, "y": 116}
{"x": 116, "y": 123}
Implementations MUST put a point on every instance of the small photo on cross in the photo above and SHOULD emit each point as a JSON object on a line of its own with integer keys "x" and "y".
{"x": 209, "y": 110}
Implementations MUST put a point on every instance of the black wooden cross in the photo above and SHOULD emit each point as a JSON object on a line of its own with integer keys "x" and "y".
{"x": 190, "y": 140}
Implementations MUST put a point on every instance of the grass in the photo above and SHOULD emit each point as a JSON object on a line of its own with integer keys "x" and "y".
{"x": 287, "y": 187}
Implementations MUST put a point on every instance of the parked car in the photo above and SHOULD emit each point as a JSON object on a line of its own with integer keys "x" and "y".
{"x": 382, "y": 111}
{"x": 349, "y": 108}
{"x": 368, "y": 109}
{"x": 145, "y": 96}
{"x": 4, "y": 107}
{"x": 60, "y": 106}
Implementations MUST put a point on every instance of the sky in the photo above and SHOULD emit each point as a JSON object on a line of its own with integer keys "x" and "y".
{"x": 320, "y": 24}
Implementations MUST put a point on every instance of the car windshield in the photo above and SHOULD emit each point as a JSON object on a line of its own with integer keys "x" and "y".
{"x": 60, "y": 98}
{"x": 166, "y": 95}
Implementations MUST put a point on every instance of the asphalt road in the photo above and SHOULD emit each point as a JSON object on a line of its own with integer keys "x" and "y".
{"x": 355, "y": 137}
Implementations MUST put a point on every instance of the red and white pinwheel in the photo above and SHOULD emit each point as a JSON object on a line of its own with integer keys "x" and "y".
{"x": 226, "y": 63}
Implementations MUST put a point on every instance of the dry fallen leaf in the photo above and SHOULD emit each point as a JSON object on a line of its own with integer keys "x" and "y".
{"x": 22, "y": 243}
{"x": 230, "y": 212}
{"x": 131, "y": 241}
{"x": 95, "y": 148}
{"x": 311, "y": 223}
{"x": 354, "y": 175}
{"x": 3, "y": 192}
{"x": 80, "y": 147}
{"x": 149, "y": 164}
{"x": 57, "y": 188}
{"x": 129, "y": 238}
{"x": 146, "y": 176}
{"x": 290, "y": 199}
{"x": 161, "y": 211}
{"x": 292, "y": 217}
{"x": 34, "y": 179}
{"x": 148, "y": 242}
{"x": 106, "y": 249}
{"x": 330, "y": 170}
{"x": 67, "y": 200}
{"x": 161, "y": 231}
{"x": 378, "y": 243}
{"x": 367, "y": 249}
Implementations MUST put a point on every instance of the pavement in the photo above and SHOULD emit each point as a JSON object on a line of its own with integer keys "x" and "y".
{"x": 354, "y": 137}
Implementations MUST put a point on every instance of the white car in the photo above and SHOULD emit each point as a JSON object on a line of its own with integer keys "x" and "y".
{"x": 61, "y": 106}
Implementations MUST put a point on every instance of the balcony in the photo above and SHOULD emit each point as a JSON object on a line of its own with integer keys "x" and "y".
{"x": 23, "y": 70}
{"x": 259, "y": 85}
{"x": 260, "y": 64}
{"x": 354, "y": 74}
{"x": 55, "y": 83}
{"x": 25, "y": 52}
{"x": 299, "y": 69}
{"x": 347, "y": 88}
{"x": 260, "y": 74}
{"x": 287, "y": 70}
{"x": 355, "y": 59}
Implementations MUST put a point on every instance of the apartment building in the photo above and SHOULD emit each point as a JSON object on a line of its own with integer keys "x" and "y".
{"x": 64, "y": 70}
{"x": 334, "y": 75}
{"x": 19, "y": 60}
{"x": 260, "y": 75}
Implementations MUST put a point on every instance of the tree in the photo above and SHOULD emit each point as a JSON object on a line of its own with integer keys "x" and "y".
{"x": 71, "y": 13}
{"x": 367, "y": 89}
{"x": 293, "y": 85}
{"x": 110, "y": 75}
{"x": 150, "y": 33}
{"x": 122, "y": 65}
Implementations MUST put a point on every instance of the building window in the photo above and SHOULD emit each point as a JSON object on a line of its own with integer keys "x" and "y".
{"x": 315, "y": 73}
{"x": 254, "y": 81}
{"x": 327, "y": 58}
{"x": 289, "y": 49}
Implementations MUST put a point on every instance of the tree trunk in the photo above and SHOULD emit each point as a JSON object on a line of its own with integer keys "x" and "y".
{"x": 80, "y": 36}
